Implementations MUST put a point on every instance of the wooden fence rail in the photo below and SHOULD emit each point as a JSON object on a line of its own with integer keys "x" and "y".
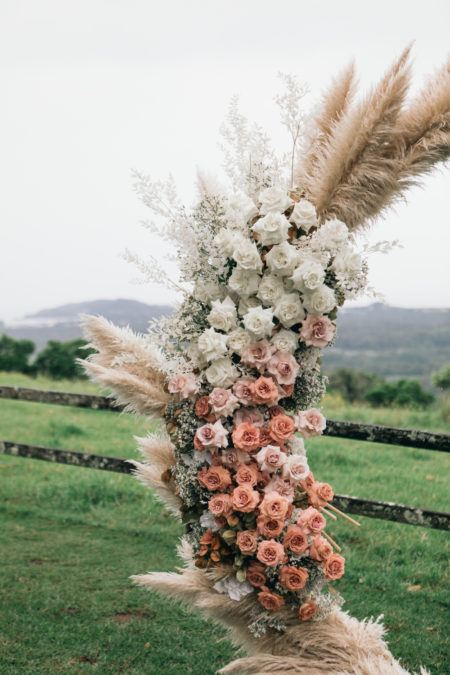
{"x": 411, "y": 438}
{"x": 364, "y": 507}
{"x": 363, "y": 432}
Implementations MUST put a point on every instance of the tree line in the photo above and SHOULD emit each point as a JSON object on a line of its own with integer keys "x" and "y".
{"x": 57, "y": 360}
{"x": 358, "y": 386}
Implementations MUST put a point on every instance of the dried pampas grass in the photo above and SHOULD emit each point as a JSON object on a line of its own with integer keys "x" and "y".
{"x": 154, "y": 472}
{"x": 338, "y": 645}
{"x": 126, "y": 364}
{"x": 362, "y": 158}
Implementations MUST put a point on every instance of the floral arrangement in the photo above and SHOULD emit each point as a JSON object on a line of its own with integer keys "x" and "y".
{"x": 265, "y": 264}
{"x": 244, "y": 377}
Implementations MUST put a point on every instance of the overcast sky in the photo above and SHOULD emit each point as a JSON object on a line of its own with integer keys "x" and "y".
{"x": 93, "y": 88}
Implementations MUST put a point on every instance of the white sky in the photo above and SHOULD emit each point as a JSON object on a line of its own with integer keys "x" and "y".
{"x": 93, "y": 88}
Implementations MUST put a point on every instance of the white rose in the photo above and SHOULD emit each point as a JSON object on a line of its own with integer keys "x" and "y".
{"x": 272, "y": 229}
{"x": 225, "y": 241}
{"x": 289, "y": 309}
{"x": 295, "y": 468}
{"x": 223, "y": 314}
{"x": 332, "y": 234}
{"x": 244, "y": 282}
{"x": 240, "y": 208}
{"x": 221, "y": 373}
{"x": 285, "y": 341}
{"x": 247, "y": 303}
{"x": 196, "y": 356}
{"x": 207, "y": 291}
{"x": 320, "y": 301}
{"x": 212, "y": 345}
{"x": 274, "y": 199}
{"x": 259, "y": 321}
{"x": 282, "y": 259}
{"x": 304, "y": 215}
{"x": 347, "y": 263}
{"x": 238, "y": 340}
{"x": 309, "y": 276}
{"x": 270, "y": 289}
{"x": 246, "y": 255}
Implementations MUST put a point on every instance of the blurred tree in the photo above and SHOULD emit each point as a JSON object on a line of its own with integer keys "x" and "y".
{"x": 352, "y": 384}
{"x": 441, "y": 379}
{"x": 15, "y": 354}
{"x": 58, "y": 359}
{"x": 403, "y": 393}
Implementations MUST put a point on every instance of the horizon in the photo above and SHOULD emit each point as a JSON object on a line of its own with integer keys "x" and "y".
{"x": 10, "y": 321}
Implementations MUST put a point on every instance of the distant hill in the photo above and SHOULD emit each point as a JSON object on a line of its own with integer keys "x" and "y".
{"x": 389, "y": 341}
{"x": 63, "y": 322}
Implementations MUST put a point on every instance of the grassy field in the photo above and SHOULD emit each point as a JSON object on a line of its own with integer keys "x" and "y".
{"x": 70, "y": 538}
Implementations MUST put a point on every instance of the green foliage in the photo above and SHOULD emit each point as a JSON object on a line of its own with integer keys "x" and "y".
{"x": 403, "y": 393}
{"x": 58, "y": 359}
{"x": 441, "y": 379}
{"x": 353, "y": 385}
{"x": 15, "y": 354}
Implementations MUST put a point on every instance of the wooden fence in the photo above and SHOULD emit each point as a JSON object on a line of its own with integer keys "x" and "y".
{"x": 362, "y": 432}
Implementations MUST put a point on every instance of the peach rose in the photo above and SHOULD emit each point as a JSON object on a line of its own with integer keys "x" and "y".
{"x": 310, "y": 422}
{"x": 269, "y": 527}
{"x": 307, "y": 610}
{"x": 270, "y": 552}
{"x": 312, "y": 520}
{"x": 242, "y": 389}
{"x": 283, "y": 367}
{"x": 247, "y": 474}
{"x": 184, "y": 385}
{"x": 245, "y": 499}
{"x": 234, "y": 458}
{"x": 257, "y": 354}
{"x": 321, "y": 549}
{"x": 293, "y": 578}
{"x": 274, "y": 506}
{"x": 265, "y": 391}
{"x": 270, "y": 601}
{"x": 220, "y": 505}
{"x": 319, "y": 494}
{"x": 212, "y": 435}
{"x": 255, "y": 575}
{"x": 246, "y": 437}
{"x": 283, "y": 487}
{"x": 295, "y": 540}
{"x": 249, "y": 415}
{"x": 246, "y": 541}
{"x": 271, "y": 458}
{"x": 281, "y": 428}
{"x": 215, "y": 478}
{"x": 275, "y": 410}
{"x": 264, "y": 437}
{"x": 317, "y": 331}
{"x": 223, "y": 402}
{"x": 202, "y": 407}
{"x": 307, "y": 483}
{"x": 334, "y": 566}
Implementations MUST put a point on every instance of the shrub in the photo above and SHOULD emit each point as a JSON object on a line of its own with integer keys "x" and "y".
{"x": 58, "y": 359}
{"x": 15, "y": 354}
{"x": 403, "y": 393}
{"x": 353, "y": 385}
{"x": 441, "y": 379}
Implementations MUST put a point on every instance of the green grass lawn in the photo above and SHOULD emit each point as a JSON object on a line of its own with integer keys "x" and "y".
{"x": 71, "y": 537}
